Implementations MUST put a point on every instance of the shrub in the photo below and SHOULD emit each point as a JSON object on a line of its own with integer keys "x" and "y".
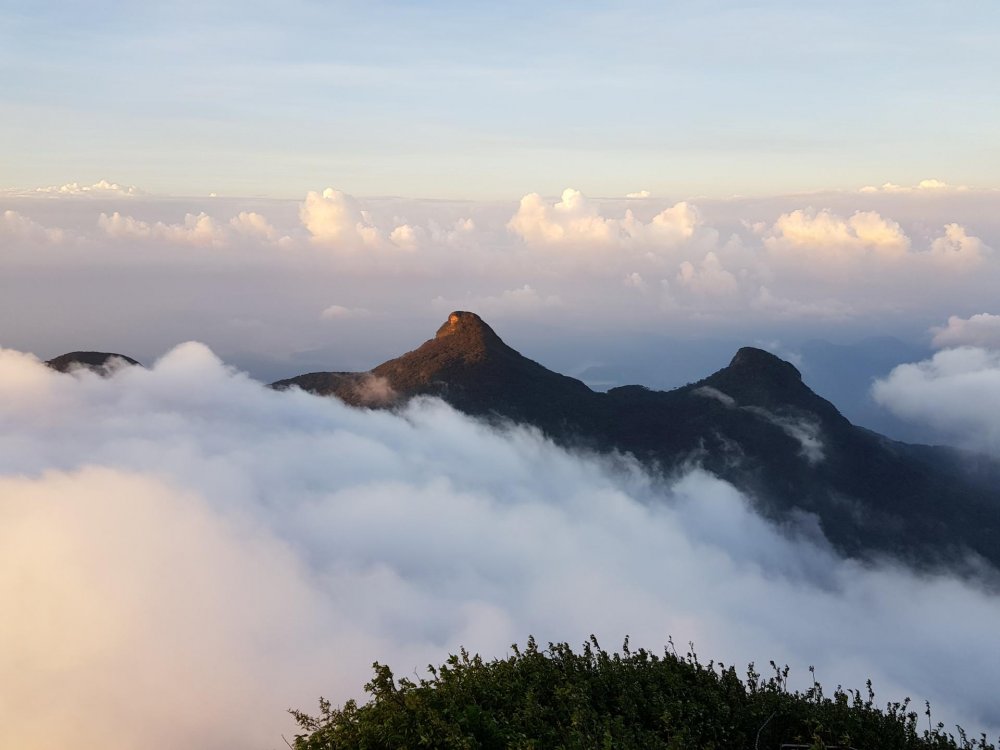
{"x": 557, "y": 698}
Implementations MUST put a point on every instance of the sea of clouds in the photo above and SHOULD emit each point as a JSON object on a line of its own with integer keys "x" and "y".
{"x": 185, "y": 553}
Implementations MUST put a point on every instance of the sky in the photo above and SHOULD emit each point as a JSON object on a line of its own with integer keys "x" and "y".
{"x": 485, "y": 101}
{"x": 234, "y": 193}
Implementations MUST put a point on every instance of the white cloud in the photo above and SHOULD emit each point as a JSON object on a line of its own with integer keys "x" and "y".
{"x": 934, "y": 185}
{"x": 335, "y": 218}
{"x": 244, "y": 550}
{"x": 117, "y": 225}
{"x": 930, "y": 185}
{"x": 708, "y": 391}
{"x": 405, "y": 236}
{"x": 575, "y": 221}
{"x": 981, "y": 330}
{"x": 18, "y": 226}
{"x": 957, "y": 391}
{"x": 672, "y": 226}
{"x": 822, "y": 235}
{"x": 253, "y": 224}
{"x": 101, "y": 189}
{"x": 803, "y": 429}
{"x": 460, "y": 230}
{"x": 196, "y": 229}
{"x": 708, "y": 278}
{"x": 956, "y": 247}
{"x": 640, "y": 195}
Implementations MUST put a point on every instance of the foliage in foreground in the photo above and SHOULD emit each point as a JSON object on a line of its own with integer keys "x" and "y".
{"x": 555, "y": 698}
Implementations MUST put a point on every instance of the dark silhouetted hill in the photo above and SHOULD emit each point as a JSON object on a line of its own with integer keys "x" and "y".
{"x": 99, "y": 362}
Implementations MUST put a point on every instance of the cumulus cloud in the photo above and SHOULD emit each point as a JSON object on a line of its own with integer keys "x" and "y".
{"x": 673, "y": 225}
{"x": 957, "y": 392}
{"x": 572, "y": 219}
{"x": 336, "y": 218}
{"x": 639, "y": 195}
{"x": 253, "y": 224}
{"x": 982, "y": 330}
{"x": 18, "y": 226}
{"x": 824, "y": 235}
{"x": 459, "y": 232}
{"x": 241, "y": 550}
{"x": 196, "y": 229}
{"x": 575, "y": 220}
{"x": 708, "y": 278}
{"x": 957, "y": 247}
{"x": 405, "y": 236}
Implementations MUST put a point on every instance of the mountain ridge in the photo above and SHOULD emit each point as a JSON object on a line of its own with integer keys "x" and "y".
{"x": 754, "y": 423}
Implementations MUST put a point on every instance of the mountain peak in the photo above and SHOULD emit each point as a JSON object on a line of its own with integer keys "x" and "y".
{"x": 466, "y": 324}
{"x": 757, "y": 363}
{"x": 755, "y": 377}
{"x": 467, "y": 361}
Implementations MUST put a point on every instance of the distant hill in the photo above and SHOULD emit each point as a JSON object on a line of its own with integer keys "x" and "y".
{"x": 100, "y": 362}
{"x": 754, "y": 423}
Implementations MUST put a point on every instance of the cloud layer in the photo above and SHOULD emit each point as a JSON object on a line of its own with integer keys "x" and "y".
{"x": 191, "y": 553}
{"x": 254, "y": 277}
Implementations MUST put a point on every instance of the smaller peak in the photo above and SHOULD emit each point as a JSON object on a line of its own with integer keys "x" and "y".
{"x": 101, "y": 362}
{"x": 464, "y": 323}
{"x": 751, "y": 360}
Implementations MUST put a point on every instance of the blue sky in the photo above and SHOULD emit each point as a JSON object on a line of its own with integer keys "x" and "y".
{"x": 475, "y": 100}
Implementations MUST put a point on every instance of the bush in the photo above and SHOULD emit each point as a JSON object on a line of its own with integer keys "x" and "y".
{"x": 556, "y": 698}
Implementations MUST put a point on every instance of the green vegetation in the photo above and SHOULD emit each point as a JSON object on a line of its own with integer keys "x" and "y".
{"x": 555, "y": 698}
